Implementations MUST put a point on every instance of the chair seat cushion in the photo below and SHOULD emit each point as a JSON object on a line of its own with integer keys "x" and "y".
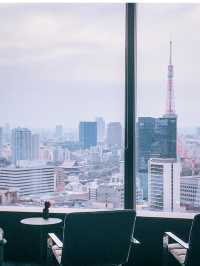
{"x": 178, "y": 252}
{"x": 57, "y": 253}
{"x": 174, "y": 246}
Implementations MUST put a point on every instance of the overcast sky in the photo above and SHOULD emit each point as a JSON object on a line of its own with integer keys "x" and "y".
{"x": 62, "y": 63}
{"x": 157, "y": 23}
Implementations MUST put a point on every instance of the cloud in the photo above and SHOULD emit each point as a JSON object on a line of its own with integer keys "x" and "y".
{"x": 39, "y": 34}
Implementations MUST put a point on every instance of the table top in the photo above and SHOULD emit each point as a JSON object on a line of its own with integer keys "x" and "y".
{"x": 41, "y": 221}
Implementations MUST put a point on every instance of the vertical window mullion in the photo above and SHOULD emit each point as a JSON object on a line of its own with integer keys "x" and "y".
{"x": 130, "y": 108}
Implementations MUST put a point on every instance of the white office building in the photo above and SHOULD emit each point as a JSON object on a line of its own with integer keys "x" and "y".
{"x": 190, "y": 192}
{"x": 28, "y": 180}
{"x": 164, "y": 184}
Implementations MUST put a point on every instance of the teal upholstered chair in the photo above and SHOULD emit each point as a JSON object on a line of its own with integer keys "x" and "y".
{"x": 93, "y": 238}
{"x": 2, "y": 243}
{"x": 186, "y": 254}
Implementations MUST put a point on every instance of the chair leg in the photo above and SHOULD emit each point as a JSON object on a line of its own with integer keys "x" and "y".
{"x": 165, "y": 251}
{"x": 49, "y": 259}
{"x": 1, "y": 255}
{"x": 2, "y": 243}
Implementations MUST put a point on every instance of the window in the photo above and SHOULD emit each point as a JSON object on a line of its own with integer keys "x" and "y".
{"x": 168, "y": 160}
{"x": 62, "y": 105}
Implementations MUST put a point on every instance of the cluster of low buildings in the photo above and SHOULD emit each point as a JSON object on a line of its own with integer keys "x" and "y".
{"x": 62, "y": 185}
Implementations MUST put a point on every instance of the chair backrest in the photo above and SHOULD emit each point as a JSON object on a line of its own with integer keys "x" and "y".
{"x": 193, "y": 253}
{"x": 97, "y": 238}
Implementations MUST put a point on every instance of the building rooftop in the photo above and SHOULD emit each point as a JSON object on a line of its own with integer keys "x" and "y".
{"x": 163, "y": 160}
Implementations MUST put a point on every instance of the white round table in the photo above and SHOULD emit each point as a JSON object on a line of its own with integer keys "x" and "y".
{"x": 41, "y": 223}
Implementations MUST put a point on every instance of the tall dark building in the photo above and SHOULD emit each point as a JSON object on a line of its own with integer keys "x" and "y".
{"x": 145, "y": 138}
{"x": 156, "y": 137}
{"x": 88, "y": 134}
{"x": 165, "y": 138}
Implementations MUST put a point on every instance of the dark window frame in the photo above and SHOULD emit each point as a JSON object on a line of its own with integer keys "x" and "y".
{"x": 130, "y": 109}
{"x": 130, "y": 112}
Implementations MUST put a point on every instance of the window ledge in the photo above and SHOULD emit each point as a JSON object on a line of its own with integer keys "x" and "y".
{"x": 140, "y": 213}
{"x": 168, "y": 215}
{"x": 39, "y": 209}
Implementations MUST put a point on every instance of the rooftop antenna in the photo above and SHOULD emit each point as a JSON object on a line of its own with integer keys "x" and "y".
{"x": 170, "y": 108}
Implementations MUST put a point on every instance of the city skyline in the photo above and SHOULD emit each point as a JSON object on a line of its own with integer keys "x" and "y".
{"x": 62, "y": 131}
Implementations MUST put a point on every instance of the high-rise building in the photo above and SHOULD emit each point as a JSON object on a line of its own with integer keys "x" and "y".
{"x": 28, "y": 180}
{"x": 59, "y": 132}
{"x": 166, "y": 126}
{"x": 21, "y": 144}
{"x": 165, "y": 138}
{"x": 114, "y": 134}
{"x": 145, "y": 138}
{"x": 100, "y": 129}
{"x": 88, "y": 134}
{"x": 156, "y": 138}
{"x": 35, "y": 147}
{"x": 1, "y": 141}
{"x": 164, "y": 184}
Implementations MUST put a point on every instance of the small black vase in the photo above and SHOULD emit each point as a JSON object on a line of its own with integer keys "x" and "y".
{"x": 45, "y": 213}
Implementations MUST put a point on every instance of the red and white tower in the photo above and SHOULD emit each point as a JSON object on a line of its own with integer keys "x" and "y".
{"x": 170, "y": 107}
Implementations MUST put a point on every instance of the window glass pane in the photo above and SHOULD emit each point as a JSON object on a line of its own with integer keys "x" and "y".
{"x": 168, "y": 157}
{"x": 62, "y": 104}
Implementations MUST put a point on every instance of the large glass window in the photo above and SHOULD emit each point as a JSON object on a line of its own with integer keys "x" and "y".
{"x": 168, "y": 136}
{"x": 62, "y": 104}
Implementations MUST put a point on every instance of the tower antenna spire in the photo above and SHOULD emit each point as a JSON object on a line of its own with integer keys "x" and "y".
{"x": 170, "y": 55}
{"x": 170, "y": 108}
